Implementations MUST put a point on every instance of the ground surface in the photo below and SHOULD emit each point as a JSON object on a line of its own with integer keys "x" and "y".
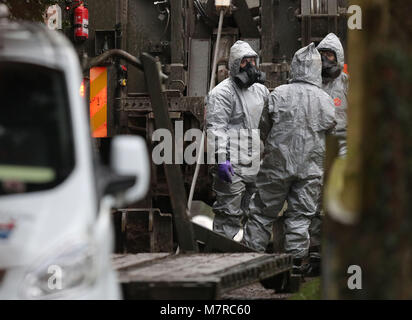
{"x": 309, "y": 290}
{"x": 254, "y": 292}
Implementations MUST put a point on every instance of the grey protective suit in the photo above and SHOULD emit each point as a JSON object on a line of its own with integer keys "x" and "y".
{"x": 299, "y": 115}
{"x": 337, "y": 89}
{"x": 231, "y": 109}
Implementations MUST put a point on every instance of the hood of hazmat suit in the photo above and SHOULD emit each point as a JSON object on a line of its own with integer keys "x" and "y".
{"x": 337, "y": 88}
{"x": 238, "y": 51}
{"x": 292, "y": 169}
{"x": 331, "y": 42}
{"x": 305, "y": 66}
{"x": 249, "y": 74}
{"x": 233, "y": 115}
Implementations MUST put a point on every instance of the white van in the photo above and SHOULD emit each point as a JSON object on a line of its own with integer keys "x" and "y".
{"x": 56, "y": 236}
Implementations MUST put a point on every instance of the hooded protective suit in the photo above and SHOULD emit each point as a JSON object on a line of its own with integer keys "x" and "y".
{"x": 299, "y": 114}
{"x": 229, "y": 110}
{"x": 337, "y": 88}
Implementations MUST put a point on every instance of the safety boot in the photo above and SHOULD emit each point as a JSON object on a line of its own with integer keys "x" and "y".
{"x": 314, "y": 269}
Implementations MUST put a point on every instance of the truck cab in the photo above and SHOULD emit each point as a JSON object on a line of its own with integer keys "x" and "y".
{"x": 56, "y": 236}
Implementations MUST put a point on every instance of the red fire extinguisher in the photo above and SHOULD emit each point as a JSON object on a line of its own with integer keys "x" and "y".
{"x": 81, "y": 23}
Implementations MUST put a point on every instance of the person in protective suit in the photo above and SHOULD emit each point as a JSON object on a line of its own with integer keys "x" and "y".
{"x": 234, "y": 105}
{"x": 335, "y": 83}
{"x": 293, "y": 126}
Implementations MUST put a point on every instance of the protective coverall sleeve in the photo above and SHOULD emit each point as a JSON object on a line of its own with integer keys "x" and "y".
{"x": 270, "y": 115}
{"x": 265, "y": 124}
{"x": 327, "y": 117}
{"x": 341, "y": 88}
{"x": 219, "y": 109}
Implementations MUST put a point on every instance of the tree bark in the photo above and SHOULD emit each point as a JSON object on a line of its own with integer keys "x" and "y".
{"x": 377, "y": 174}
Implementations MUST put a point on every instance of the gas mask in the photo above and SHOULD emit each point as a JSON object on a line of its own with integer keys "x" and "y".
{"x": 248, "y": 76}
{"x": 330, "y": 69}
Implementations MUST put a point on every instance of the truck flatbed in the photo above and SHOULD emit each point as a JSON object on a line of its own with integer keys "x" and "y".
{"x": 194, "y": 276}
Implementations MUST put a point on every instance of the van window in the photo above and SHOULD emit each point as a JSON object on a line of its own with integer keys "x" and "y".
{"x": 36, "y": 141}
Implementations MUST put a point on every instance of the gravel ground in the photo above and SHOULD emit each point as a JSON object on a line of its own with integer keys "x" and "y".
{"x": 254, "y": 292}
{"x": 257, "y": 292}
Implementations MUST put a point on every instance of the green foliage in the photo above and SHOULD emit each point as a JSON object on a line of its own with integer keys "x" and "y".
{"x": 308, "y": 291}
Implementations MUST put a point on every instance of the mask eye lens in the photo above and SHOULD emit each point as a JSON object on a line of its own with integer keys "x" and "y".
{"x": 329, "y": 55}
{"x": 247, "y": 61}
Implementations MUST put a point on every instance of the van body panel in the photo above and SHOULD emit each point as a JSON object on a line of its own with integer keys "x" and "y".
{"x": 43, "y": 224}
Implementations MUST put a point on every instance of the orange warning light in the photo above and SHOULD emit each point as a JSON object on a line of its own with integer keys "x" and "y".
{"x": 82, "y": 90}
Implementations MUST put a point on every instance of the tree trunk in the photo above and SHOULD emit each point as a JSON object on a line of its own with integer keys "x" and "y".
{"x": 369, "y": 220}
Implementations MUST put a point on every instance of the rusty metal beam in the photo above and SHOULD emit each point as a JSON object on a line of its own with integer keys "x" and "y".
{"x": 114, "y": 53}
{"x": 183, "y": 226}
{"x": 244, "y": 20}
{"x": 177, "y": 31}
{"x": 267, "y": 31}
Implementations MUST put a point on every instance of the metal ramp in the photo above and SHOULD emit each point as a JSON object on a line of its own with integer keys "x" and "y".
{"x": 194, "y": 276}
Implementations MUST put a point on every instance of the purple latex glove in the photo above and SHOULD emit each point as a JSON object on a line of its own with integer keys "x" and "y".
{"x": 224, "y": 171}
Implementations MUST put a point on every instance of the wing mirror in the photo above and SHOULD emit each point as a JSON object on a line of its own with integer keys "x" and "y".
{"x": 129, "y": 160}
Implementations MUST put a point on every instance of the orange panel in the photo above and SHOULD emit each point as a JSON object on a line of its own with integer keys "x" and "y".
{"x": 98, "y": 101}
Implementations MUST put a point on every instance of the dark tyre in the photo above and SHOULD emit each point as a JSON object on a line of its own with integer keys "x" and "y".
{"x": 278, "y": 282}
